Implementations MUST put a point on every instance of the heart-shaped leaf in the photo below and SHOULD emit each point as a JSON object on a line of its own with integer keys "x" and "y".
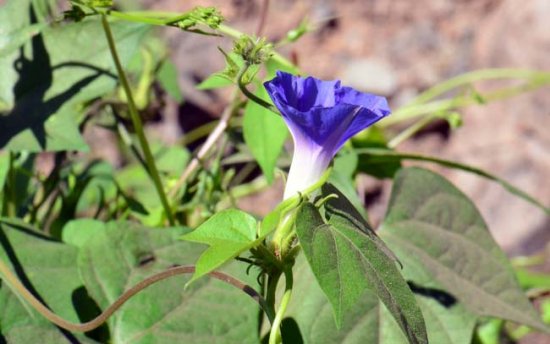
{"x": 311, "y": 320}
{"x": 349, "y": 265}
{"x": 439, "y": 232}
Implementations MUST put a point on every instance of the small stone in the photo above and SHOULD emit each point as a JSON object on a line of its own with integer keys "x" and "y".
{"x": 370, "y": 75}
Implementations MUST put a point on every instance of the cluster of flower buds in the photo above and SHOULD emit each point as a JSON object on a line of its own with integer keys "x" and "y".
{"x": 253, "y": 51}
{"x": 209, "y": 16}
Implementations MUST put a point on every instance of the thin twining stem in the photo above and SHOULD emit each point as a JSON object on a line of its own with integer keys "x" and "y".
{"x": 20, "y": 289}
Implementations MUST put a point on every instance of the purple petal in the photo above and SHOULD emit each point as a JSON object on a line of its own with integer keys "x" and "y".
{"x": 302, "y": 94}
{"x": 348, "y": 95}
{"x": 321, "y": 116}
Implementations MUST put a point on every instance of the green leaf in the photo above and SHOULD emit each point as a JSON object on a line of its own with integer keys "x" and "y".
{"x": 214, "y": 81}
{"x": 78, "y": 232}
{"x": 387, "y": 155}
{"x": 171, "y": 161}
{"x": 348, "y": 265}
{"x": 140, "y": 193}
{"x": 47, "y": 79}
{"x": 274, "y": 64}
{"x": 375, "y": 166}
{"x": 264, "y": 134}
{"x": 340, "y": 211}
{"x": 441, "y": 233}
{"x": 47, "y": 268}
{"x": 228, "y": 233}
{"x": 489, "y": 332}
{"x": 18, "y": 36}
{"x": 168, "y": 78}
{"x": 123, "y": 254}
{"x": 100, "y": 186}
{"x": 368, "y": 321}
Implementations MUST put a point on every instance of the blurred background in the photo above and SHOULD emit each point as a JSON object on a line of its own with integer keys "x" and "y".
{"x": 399, "y": 48}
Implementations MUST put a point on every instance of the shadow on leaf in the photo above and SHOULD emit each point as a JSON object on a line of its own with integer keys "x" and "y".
{"x": 290, "y": 332}
{"x": 31, "y": 111}
{"x": 8, "y": 248}
{"x": 442, "y": 297}
{"x": 87, "y": 309}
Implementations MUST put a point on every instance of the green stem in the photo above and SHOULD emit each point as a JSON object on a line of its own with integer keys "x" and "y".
{"x": 479, "y": 75}
{"x": 456, "y": 165}
{"x": 410, "y": 131}
{"x": 528, "y": 261}
{"x": 168, "y": 18}
{"x": 417, "y": 110}
{"x": 270, "y": 296}
{"x": 285, "y": 233}
{"x": 136, "y": 18}
{"x": 136, "y": 121}
{"x": 251, "y": 95}
{"x": 275, "y": 334}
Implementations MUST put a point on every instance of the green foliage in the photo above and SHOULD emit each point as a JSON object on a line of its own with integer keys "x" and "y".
{"x": 47, "y": 267}
{"x": 76, "y": 13}
{"x": 209, "y": 16}
{"x": 123, "y": 254}
{"x": 4, "y": 167}
{"x": 442, "y": 235}
{"x": 265, "y": 134}
{"x": 368, "y": 321}
{"x": 73, "y": 227}
{"x": 374, "y": 165}
{"x": 56, "y": 71}
{"x": 168, "y": 78}
{"x": 228, "y": 234}
{"x": 214, "y": 81}
{"x": 348, "y": 263}
{"x": 106, "y": 260}
{"x": 78, "y": 232}
{"x": 383, "y": 156}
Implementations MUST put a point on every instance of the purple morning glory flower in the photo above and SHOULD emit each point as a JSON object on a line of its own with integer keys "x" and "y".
{"x": 321, "y": 116}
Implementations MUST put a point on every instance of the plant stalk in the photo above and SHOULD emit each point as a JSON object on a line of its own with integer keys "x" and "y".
{"x": 275, "y": 333}
{"x": 136, "y": 121}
